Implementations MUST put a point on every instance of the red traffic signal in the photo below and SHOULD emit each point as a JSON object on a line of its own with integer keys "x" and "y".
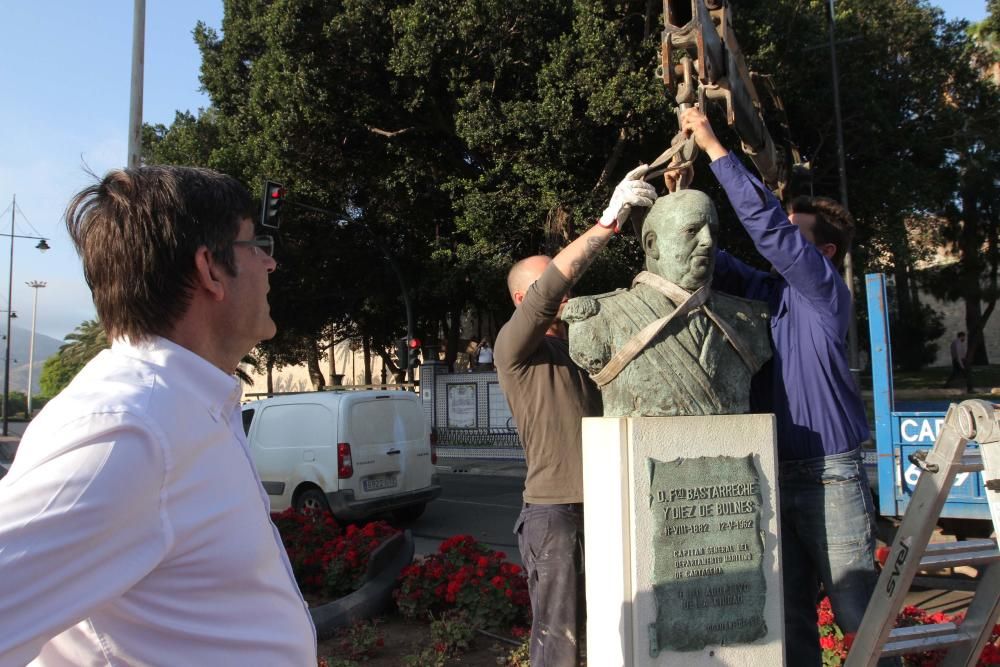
{"x": 274, "y": 194}
{"x": 414, "y": 343}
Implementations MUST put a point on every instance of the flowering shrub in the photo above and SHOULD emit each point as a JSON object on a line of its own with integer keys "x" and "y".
{"x": 835, "y": 644}
{"x": 327, "y": 560}
{"x": 520, "y": 656}
{"x": 832, "y": 640}
{"x": 451, "y": 635}
{"x": 467, "y": 576}
{"x": 361, "y": 640}
{"x": 911, "y": 616}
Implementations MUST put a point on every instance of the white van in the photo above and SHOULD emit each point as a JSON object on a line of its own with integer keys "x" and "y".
{"x": 357, "y": 453}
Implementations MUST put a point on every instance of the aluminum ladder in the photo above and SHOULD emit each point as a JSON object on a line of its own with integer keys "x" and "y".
{"x": 911, "y": 552}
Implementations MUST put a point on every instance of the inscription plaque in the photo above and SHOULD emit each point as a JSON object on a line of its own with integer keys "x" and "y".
{"x": 708, "y": 548}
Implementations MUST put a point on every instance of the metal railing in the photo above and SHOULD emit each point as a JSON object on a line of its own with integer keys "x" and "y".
{"x": 497, "y": 438}
{"x": 403, "y": 386}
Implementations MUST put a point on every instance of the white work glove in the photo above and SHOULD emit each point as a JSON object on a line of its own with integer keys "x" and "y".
{"x": 631, "y": 192}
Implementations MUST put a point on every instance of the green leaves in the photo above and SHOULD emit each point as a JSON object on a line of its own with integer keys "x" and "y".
{"x": 81, "y": 345}
{"x": 469, "y": 133}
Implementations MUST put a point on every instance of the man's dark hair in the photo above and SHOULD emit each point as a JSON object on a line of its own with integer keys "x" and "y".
{"x": 137, "y": 232}
{"x": 833, "y": 223}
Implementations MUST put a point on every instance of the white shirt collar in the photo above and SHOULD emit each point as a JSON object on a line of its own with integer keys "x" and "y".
{"x": 218, "y": 391}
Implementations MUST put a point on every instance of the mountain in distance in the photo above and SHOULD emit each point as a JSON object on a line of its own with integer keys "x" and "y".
{"x": 20, "y": 341}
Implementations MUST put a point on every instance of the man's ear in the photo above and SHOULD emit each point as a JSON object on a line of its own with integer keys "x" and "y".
{"x": 208, "y": 274}
{"x": 518, "y": 298}
{"x": 828, "y": 250}
{"x": 649, "y": 245}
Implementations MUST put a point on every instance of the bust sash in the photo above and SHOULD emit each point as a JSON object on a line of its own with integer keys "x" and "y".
{"x": 687, "y": 302}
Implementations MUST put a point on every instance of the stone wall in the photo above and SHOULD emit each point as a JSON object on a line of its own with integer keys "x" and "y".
{"x": 954, "y": 321}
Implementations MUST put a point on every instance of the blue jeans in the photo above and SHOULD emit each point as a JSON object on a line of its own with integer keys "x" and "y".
{"x": 550, "y": 538}
{"x": 828, "y": 537}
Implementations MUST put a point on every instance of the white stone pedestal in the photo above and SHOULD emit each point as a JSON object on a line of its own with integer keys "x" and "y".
{"x": 621, "y": 529}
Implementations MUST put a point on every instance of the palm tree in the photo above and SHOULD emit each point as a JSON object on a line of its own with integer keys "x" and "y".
{"x": 83, "y": 344}
{"x": 254, "y": 364}
{"x": 89, "y": 338}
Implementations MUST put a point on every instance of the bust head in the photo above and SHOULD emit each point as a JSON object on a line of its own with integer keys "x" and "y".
{"x": 679, "y": 237}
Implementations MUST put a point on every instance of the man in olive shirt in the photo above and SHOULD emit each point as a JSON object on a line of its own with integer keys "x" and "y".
{"x": 548, "y": 396}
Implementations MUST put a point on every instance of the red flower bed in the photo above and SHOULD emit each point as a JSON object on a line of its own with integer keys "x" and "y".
{"x": 327, "y": 560}
{"x": 835, "y": 644}
{"x": 467, "y": 576}
{"x": 832, "y": 640}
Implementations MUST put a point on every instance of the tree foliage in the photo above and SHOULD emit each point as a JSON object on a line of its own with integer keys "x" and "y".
{"x": 80, "y": 346}
{"x": 909, "y": 88}
{"x": 55, "y": 376}
{"x": 971, "y": 210}
{"x": 17, "y": 403}
{"x": 459, "y": 136}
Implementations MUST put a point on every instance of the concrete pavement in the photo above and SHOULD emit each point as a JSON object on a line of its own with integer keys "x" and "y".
{"x": 477, "y": 466}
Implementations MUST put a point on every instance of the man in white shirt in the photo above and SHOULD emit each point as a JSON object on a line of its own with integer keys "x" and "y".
{"x": 484, "y": 356}
{"x": 133, "y": 527}
{"x": 958, "y": 350}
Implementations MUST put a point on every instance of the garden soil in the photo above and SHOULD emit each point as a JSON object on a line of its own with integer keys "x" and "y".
{"x": 403, "y": 637}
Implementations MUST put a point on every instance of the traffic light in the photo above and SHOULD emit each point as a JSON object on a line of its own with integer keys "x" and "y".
{"x": 414, "y": 353}
{"x": 270, "y": 207}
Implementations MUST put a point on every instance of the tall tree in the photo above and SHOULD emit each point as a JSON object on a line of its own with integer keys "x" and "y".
{"x": 973, "y": 212}
{"x": 463, "y": 135}
{"x": 80, "y": 346}
{"x": 897, "y": 61}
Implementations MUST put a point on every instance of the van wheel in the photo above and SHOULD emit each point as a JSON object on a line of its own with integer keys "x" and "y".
{"x": 409, "y": 513}
{"x": 312, "y": 501}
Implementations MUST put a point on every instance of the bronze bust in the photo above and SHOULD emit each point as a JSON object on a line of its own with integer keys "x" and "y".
{"x": 669, "y": 345}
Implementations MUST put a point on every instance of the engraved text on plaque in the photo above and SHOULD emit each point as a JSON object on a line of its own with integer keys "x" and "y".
{"x": 708, "y": 547}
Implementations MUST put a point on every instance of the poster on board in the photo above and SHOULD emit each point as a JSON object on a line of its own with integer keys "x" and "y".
{"x": 462, "y": 405}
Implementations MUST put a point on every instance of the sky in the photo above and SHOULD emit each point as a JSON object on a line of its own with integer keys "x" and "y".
{"x": 65, "y": 69}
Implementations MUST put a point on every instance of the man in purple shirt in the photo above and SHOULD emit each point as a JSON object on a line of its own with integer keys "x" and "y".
{"x": 827, "y": 515}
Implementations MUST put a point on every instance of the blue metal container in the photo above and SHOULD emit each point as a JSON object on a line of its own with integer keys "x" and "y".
{"x": 901, "y": 432}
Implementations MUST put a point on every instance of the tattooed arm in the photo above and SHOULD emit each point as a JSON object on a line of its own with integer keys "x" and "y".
{"x": 575, "y": 258}
{"x": 537, "y": 313}
{"x": 538, "y": 306}
{"x": 578, "y": 255}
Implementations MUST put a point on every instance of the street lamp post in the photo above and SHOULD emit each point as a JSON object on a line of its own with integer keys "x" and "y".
{"x": 35, "y": 285}
{"x": 852, "y": 329}
{"x": 407, "y": 305}
{"x": 43, "y": 246}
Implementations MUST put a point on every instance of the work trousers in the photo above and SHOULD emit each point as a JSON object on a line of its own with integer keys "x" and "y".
{"x": 550, "y": 539}
{"x": 828, "y": 537}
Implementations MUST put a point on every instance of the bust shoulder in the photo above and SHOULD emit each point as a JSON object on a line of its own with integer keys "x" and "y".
{"x": 750, "y": 319}
{"x": 736, "y": 309}
{"x": 582, "y": 308}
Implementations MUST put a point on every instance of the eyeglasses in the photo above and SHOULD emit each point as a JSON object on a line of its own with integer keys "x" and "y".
{"x": 265, "y": 242}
